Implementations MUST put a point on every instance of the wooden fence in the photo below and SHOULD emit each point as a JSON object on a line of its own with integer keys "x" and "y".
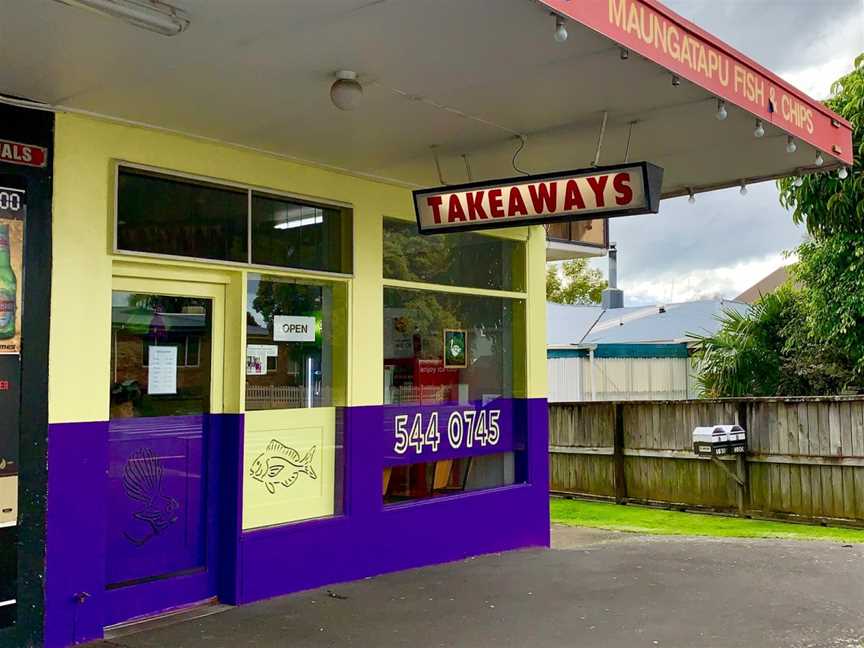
{"x": 805, "y": 456}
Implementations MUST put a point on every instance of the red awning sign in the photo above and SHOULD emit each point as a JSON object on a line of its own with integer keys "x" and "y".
{"x": 650, "y": 29}
{"x": 26, "y": 154}
{"x": 528, "y": 200}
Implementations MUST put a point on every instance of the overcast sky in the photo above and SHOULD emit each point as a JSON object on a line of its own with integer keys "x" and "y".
{"x": 736, "y": 240}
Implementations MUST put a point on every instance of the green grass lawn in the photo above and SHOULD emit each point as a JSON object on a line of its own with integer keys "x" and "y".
{"x": 639, "y": 519}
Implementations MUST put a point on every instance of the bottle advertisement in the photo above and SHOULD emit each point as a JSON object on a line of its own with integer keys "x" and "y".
{"x": 12, "y": 210}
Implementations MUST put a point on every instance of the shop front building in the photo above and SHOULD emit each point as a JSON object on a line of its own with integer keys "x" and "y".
{"x": 235, "y": 370}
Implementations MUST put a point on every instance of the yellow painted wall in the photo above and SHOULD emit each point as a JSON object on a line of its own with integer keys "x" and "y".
{"x": 86, "y": 150}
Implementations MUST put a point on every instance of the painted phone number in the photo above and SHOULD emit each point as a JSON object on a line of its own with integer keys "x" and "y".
{"x": 467, "y": 429}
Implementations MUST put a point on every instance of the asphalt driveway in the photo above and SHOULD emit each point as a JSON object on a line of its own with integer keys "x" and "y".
{"x": 595, "y": 588}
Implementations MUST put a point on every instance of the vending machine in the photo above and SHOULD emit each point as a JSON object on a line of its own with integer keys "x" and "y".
{"x": 13, "y": 207}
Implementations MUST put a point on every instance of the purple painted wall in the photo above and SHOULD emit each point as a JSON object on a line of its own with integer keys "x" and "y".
{"x": 279, "y": 560}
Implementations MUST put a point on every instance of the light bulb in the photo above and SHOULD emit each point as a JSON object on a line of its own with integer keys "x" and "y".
{"x": 721, "y": 110}
{"x": 676, "y": 80}
{"x": 560, "y": 30}
{"x": 842, "y": 173}
{"x": 819, "y": 159}
{"x": 625, "y": 54}
{"x": 760, "y": 130}
{"x": 743, "y": 188}
{"x": 692, "y": 198}
{"x": 791, "y": 146}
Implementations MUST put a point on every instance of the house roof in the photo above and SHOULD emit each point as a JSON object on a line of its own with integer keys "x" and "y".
{"x": 573, "y": 325}
{"x": 765, "y": 285}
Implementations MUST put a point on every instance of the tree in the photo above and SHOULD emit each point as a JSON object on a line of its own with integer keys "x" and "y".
{"x": 807, "y": 340}
{"x": 824, "y": 203}
{"x": 832, "y": 260}
{"x": 580, "y": 284}
{"x": 768, "y": 351}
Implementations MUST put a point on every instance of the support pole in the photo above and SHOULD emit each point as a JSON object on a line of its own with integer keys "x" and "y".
{"x": 618, "y": 455}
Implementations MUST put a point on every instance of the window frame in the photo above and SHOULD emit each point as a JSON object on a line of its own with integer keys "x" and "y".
{"x": 514, "y": 295}
{"x": 510, "y": 234}
{"x": 249, "y": 189}
{"x": 343, "y": 283}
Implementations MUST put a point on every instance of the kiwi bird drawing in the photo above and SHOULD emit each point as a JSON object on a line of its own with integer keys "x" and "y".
{"x": 142, "y": 481}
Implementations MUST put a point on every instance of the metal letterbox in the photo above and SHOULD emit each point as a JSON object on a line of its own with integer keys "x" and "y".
{"x": 719, "y": 440}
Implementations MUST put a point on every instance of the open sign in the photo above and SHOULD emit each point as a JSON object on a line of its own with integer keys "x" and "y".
{"x": 293, "y": 328}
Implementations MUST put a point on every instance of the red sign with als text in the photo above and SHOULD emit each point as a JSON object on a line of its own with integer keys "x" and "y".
{"x": 573, "y": 195}
{"x": 26, "y": 154}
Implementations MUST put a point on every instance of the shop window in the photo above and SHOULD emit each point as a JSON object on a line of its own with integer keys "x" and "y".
{"x": 295, "y": 335}
{"x": 143, "y": 325}
{"x": 159, "y": 214}
{"x": 447, "y": 477}
{"x": 467, "y": 259}
{"x": 442, "y": 347}
{"x": 292, "y": 234}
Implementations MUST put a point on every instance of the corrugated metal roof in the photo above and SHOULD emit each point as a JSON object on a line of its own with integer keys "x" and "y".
{"x": 569, "y": 325}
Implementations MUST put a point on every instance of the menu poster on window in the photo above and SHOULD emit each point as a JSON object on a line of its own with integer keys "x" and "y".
{"x": 256, "y": 359}
{"x": 12, "y": 211}
{"x": 162, "y": 377}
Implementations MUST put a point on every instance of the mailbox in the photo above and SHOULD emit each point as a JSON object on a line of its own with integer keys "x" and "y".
{"x": 719, "y": 440}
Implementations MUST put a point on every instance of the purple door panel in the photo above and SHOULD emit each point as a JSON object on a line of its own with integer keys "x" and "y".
{"x": 156, "y": 498}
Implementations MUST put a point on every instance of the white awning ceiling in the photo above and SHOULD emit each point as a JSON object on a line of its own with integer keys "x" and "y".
{"x": 467, "y": 77}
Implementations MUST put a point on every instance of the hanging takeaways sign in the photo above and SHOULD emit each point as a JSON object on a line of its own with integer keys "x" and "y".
{"x": 583, "y": 194}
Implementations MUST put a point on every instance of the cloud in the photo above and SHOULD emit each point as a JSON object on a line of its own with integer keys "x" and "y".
{"x": 660, "y": 256}
{"x": 726, "y": 282}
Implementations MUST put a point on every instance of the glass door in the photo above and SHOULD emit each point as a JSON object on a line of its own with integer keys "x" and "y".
{"x": 166, "y": 349}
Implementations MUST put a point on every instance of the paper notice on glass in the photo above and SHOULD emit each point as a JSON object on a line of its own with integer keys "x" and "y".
{"x": 162, "y": 377}
{"x": 256, "y": 360}
{"x": 267, "y": 349}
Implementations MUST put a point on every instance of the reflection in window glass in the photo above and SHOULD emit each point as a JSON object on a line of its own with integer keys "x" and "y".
{"x": 447, "y": 477}
{"x": 466, "y": 259}
{"x": 587, "y": 232}
{"x": 143, "y": 326}
{"x": 295, "y": 336}
{"x": 443, "y": 347}
{"x": 164, "y": 215}
{"x": 297, "y": 235}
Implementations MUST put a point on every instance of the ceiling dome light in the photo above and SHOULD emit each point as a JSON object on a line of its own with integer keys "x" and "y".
{"x": 791, "y": 146}
{"x": 743, "y": 190}
{"x": 560, "y": 29}
{"x": 692, "y": 198}
{"x": 843, "y": 173}
{"x": 760, "y": 130}
{"x": 346, "y": 91}
{"x": 722, "y": 113}
{"x": 819, "y": 159}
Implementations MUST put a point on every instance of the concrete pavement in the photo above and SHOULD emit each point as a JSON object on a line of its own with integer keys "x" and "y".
{"x": 595, "y": 588}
